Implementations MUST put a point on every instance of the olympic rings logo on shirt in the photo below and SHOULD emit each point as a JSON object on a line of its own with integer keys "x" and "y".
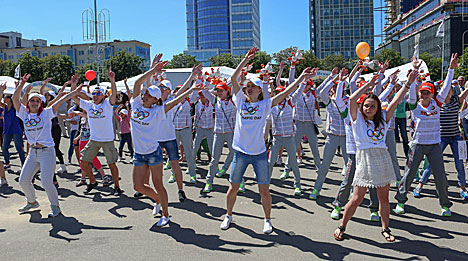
{"x": 250, "y": 110}
{"x": 141, "y": 115}
{"x": 96, "y": 112}
{"x": 376, "y": 135}
{"x": 32, "y": 122}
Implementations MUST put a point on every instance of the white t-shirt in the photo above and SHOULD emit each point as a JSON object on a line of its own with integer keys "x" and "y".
{"x": 76, "y": 118}
{"x": 166, "y": 130}
{"x": 365, "y": 134}
{"x": 100, "y": 120}
{"x": 144, "y": 123}
{"x": 38, "y": 128}
{"x": 250, "y": 122}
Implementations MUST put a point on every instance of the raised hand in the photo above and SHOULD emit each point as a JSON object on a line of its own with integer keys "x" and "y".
{"x": 394, "y": 77}
{"x": 111, "y": 75}
{"x": 413, "y": 75}
{"x": 414, "y": 61}
{"x": 197, "y": 69}
{"x": 454, "y": 61}
{"x": 74, "y": 79}
{"x": 374, "y": 79}
{"x": 308, "y": 73}
{"x": 156, "y": 59}
{"x": 281, "y": 65}
{"x": 158, "y": 68}
{"x": 25, "y": 78}
{"x": 343, "y": 74}
{"x": 335, "y": 71}
{"x": 46, "y": 81}
{"x": 251, "y": 53}
{"x": 125, "y": 80}
{"x": 28, "y": 89}
{"x": 3, "y": 87}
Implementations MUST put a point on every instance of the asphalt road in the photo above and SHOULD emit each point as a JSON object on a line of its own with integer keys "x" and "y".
{"x": 103, "y": 226}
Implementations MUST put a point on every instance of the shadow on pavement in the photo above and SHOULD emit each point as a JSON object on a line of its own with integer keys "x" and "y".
{"x": 122, "y": 201}
{"x": 70, "y": 225}
{"x": 211, "y": 242}
{"x": 7, "y": 190}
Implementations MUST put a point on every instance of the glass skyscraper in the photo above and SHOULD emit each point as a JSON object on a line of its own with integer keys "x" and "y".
{"x": 337, "y": 26}
{"x": 221, "y": 26}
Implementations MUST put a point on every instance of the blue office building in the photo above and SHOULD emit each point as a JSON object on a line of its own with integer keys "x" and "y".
{"x": 221, "y": 26}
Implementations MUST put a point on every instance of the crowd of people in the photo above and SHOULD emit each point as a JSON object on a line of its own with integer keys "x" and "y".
{"x": 257, "y": 118}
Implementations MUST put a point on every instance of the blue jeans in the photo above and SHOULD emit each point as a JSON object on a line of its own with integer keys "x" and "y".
{"x": 465, "y": 126}
{"x": 18, "y": 139}
{"x": 172, "y": 149}
{"x": 71, "y": 148}
{"x": 259, "y": 163}
{"x": 152, "y": 159}
{"x": 453, "y": 142}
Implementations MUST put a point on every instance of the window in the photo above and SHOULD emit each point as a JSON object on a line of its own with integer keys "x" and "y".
{"x": 10, "y": 57}
{"x": 129, "y": 49}
{"x": 90, "y": 51}
{"x": 45, "y": 54}
{"x": 54, "y": 53}
{"x": 63, "y": 53}
{"x": 81, "y": 61}
{"x": 80, "y": 52}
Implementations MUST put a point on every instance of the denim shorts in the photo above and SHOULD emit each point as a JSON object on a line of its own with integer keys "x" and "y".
{"x": 152, "y": 159}
{"x": 172, "y": 149}
{"x": 259, "y": 163}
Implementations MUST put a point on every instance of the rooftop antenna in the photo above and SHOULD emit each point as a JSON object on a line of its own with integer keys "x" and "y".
{"x": 96, "y": 26}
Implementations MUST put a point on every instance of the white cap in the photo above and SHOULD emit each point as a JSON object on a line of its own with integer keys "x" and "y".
{"x": 124, "y": 111}
{"x": 99, "y": 89}
{"x": 52, "y": 93}
{"x": 256, "y": 81}
{"x": 32, "y": 95}
{"x": 166, "y": 83}
{"x": 154, "y": 91}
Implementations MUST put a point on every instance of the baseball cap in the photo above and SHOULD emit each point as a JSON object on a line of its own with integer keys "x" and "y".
{"x": 32, "y": 95}
{"x": 280, "y": 88}
{"x": 427, "y": 86}
{"x": 222, "y": 86}
{"x": 154, "y": 92}
{"x": 256, "y": 81}
{"x": 52, "y": 93}
{"x": 166, "y": 83}
{"x": 454, "y": 82}
{"x": 362, "y": 83}
{"x": 99, "y": 89}
{"x": 124, "y": 111}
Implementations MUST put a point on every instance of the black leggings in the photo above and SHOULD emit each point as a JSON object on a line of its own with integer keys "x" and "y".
{"x": 57, "y": 136}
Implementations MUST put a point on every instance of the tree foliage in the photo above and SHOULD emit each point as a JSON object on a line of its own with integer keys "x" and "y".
{"x": 433, "y": 64}
{"x": 310, "y": 60}
{"x": 332, "y": 61}
{"x": 182, "y": 61}
{"x": 462, "y": 69}
{"x": 224, "y": 59}
{"x": 392, "y": 56}
{"x": 125, "y": 65}
{"x": 59, "y": 67}
{"x": 260, "y": 58}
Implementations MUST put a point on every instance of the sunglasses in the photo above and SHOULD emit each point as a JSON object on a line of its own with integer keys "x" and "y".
{"x": 96, "y": 93}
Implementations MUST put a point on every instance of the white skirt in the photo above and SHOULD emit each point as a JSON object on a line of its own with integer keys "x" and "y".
{"x": 374, "y": 168}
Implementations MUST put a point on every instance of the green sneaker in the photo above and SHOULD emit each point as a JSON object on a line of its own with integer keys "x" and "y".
{"x": 28, "y": 207}
{"x": 400, "y": 208}
{"x": 208, "y": 187}
{"x": 315, "y": 193}
{"x": 336, "y": 213}
{"x": 297, "y": 191}
{"x": 168, "y": 165}
{"x": 171, "y": 178}
{"x": 374, "y": 216}
{"x": 220, "y": 173}
{"x": 285, "y": 175}
{"x": 193, "y": 180}
{"x": 242, "y": 187}
{"x": 446, "y": 212}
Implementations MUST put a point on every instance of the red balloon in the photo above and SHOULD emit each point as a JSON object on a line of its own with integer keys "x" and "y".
{"x": 90, "y": 75}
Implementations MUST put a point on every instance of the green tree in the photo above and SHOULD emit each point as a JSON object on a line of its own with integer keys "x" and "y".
{"x": 182, "y": 61}
{"x": 29, "y": 64}
{"x": 332, "y": 61}
{"x": 392, "y": 56}
{"x": 310, "y": 60}
{"x": 260, "y": 58}
{"x": 6, "y": 68}
{"x": 224, "y": 59}
{"x": 59, "y": 67}
{"x": 81, "y": 71}
{"x": 433, "y": 64}
{"x": 124, "y": 65}
{"x": 462, "y": 69}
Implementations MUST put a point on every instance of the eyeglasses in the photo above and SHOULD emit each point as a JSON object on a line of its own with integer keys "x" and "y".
{"x": 96, "y": 93}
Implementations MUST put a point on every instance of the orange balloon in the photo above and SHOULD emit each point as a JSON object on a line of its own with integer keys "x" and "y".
{"x": 362, "y": 50}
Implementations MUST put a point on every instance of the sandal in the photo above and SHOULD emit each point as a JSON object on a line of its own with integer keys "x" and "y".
{"x": 386, "y": 233}
{"x": 340, "y": 234}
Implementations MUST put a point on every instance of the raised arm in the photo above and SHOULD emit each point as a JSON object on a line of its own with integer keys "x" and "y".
{"x": 196, "y": 70}
{"x": 292, "y": 73}
{"x": 126, "y": 87}
{"x": 393, "y": 81}
{"x": 324, "y": 92}
{"x": 16, "y": 95}
{"x": 339, "y": 90}
{"x": 355, "y": 69}
{"x": 140, "y": 80}
{"x": 169, "y": 105}
{"x": 24, "y": 98}
{"x": 400, "y": 95}
{"x": 448, "y": 79}
{"x": 278, "y": 76}
{"x": 381, "y": 70}
{"x": 43, "y": 85}
{"x": 235, "y": 76}
{"x": 353, "y": 105}
{"x": 113, "y": 95}
{"x": 306, "y": 74}
{"x": 2, "y": 90}
{"x": 65, "y": 98}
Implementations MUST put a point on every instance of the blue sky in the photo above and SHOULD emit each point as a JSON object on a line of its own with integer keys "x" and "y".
{"x": 160, "y": 23}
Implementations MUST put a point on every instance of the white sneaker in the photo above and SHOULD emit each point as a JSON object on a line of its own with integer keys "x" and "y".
{"x": 226, "y": 222}
{"x": 62, "y": 168}
{"x": 299, "y": 160}
{"x": 68, "y": 163}
{"x": 120, "y": 159}
{"x": 3, "y": 182}
{"x": 156, "y": 209}
{"x": 163, "y": 221}
{"x": 267, "y": 226}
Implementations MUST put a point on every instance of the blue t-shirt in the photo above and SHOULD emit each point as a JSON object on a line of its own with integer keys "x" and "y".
{"x": 12, "y": 123}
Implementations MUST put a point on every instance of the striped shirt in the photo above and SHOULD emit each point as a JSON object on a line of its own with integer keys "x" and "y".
{"x": 449, "y": 118}
{"x": 225, "y": 113}
{"x": 282, "y": 114}
{"x": 182, "y": 118}
{"x": 305, "y": 107}
{"x": 204, "y": 115}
